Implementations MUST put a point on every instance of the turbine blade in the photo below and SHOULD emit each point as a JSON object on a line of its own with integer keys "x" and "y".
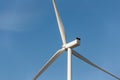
{"x": 49, "y": 62}
{"x": 92, "y": 64}
{"x": 60, "y": 24}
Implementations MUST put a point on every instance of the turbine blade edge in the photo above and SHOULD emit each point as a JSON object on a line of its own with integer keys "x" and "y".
{"x": 93, "y": 64}
{"x": 60, "y": 24}
{"x": 49, "y": 62}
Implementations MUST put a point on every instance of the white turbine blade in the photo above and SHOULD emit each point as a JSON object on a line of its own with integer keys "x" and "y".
{"x": 60, "y": 24}
{"x": 50, "y": 61}
{"x": 92, "y": 64}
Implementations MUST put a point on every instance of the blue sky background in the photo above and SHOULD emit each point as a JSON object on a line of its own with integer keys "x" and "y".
{"x": 29, "y": 36}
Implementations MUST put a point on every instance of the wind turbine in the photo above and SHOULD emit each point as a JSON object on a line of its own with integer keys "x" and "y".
{"x": 69, "y": 48}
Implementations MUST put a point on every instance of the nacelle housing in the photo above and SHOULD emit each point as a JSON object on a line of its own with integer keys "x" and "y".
{"x": 72, "y": 44}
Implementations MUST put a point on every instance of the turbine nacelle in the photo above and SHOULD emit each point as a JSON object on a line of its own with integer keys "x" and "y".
{"x": 72, "y": 44}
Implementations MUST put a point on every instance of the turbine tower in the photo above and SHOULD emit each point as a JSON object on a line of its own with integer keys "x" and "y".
{"x": 69, "y": 48}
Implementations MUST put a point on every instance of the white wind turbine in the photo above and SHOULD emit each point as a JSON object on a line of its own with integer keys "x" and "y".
{"x": 68, "y": 47}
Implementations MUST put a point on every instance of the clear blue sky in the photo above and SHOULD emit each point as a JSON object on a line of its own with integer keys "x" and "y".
{"x": 29, "y": 36}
